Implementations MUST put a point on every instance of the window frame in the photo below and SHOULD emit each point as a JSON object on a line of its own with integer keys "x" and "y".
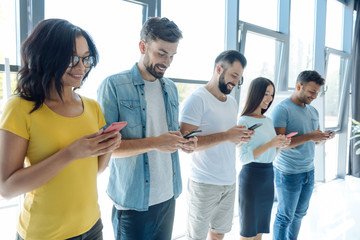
{"x": 281, "y": 52}
{"x": 344, "y": 70}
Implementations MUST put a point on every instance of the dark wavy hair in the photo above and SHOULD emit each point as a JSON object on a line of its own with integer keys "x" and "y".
{"x": 160, "y": 28}
{"x": 310, "y": 76}
{"x": 46, "y": 55}
{"x": 255, "y": 95}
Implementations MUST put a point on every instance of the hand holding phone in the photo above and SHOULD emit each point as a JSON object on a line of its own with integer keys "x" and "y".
{"x": 192, "y": 134}
{"x": 332, "y": 131}
{"x": 253, "y": 127}
{"x": 116, "y": 126}
{"x": 291, "y": 134}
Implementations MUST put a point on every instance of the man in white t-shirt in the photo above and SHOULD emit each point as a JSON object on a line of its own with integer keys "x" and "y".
{"x": 211, "y": 187}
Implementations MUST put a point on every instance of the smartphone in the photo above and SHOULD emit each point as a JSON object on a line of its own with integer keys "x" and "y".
{"x": 116, "y": 126}
{"x": 192, "y": 134}
{"x": 291, "y": 134}
{"x": 254, "y": 126}
{"x": 333, "y": 131}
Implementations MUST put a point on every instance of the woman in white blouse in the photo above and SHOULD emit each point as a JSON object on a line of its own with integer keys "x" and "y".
{"x": 256, "y": 179}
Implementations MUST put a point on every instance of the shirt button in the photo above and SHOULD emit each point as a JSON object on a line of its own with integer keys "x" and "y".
{"x": 143, "y": 126}
{"x": 143, "y": 109}
{"x": 146, "y": 181}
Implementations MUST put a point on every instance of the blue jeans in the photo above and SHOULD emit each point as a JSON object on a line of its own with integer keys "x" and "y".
{"x": 154, "y": 224}
{"x": 294, "y": 193}
{"x": 95, "y": 233}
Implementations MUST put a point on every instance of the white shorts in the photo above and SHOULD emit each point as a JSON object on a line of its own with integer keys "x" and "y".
{"x": 209, "y": 207}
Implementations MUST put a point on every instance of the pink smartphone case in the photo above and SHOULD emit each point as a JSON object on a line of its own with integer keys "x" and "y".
{"x": 117, "y": 126}
{"x": 291, "y": 134}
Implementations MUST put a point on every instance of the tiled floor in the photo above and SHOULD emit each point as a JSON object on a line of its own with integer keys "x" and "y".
{"x": 334, "y": 214}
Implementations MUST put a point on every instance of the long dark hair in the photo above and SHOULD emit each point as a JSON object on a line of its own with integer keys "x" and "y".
{"x": 255, "y": 95}
{"x": 46, "y": 55}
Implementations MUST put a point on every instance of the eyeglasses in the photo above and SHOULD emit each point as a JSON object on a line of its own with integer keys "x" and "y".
{"x": 88, "y": 61}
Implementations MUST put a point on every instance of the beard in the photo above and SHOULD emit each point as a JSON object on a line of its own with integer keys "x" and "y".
{"x": 305, "y": 99}
{"x": 152, "y": 68}
{"x": 224, "y": 86}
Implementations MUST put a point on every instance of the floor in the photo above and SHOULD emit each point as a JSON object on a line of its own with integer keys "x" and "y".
{"x": 334, "y": 214}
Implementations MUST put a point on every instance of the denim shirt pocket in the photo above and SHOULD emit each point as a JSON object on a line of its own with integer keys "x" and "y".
{"x": 130, "y": 111}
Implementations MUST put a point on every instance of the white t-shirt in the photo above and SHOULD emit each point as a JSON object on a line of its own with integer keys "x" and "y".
{"x": 215, "y": 165}
{"x": 160, "y": 164}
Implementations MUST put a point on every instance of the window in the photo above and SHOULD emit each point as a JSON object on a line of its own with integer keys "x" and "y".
{"x": 334, "y": 24}
{"x": 331, "y": 156}
{"x": 251, "y": 10}
{"x": 115, "y": 28}
{"x": 8, "y": 27}
{"x": 301, "y": 39}
{"x": 9, "y": 84}
{"x": 336, "y": 72}
{"x": 264, "y": 51}
{"x": 203, "y": 36}
{"x": 8, "y": 48}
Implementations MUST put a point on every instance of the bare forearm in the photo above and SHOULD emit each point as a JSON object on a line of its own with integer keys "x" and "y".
{"x": 103, "y": 162}
{"x": 132, "y": 147}
{"x": 260, "y": 150}
{"x": 209, "y": 141}
{"x": 299, "y": 140}
{"x": 27, "y": 179}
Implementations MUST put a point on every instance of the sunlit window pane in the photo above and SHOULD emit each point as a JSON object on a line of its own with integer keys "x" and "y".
{"x": 263, "y": 58}
{"x": 185, "y": 89}
{"x": 334, "y": 24}
{"x": 301, "y": 38}
{"x": 331, "y": 156}
{"x": 335, "y": 77}
{"x": 116, "y": 35}
{"x": 261, "y": 13}
{"x": 203, "y": 26}
{"x": 13, "y": 81}
{"x": 8, "y": 32}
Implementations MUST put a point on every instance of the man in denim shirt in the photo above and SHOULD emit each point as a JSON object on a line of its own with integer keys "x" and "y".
{"x": 145, "y": 175}
{"x": 294, "y": 166}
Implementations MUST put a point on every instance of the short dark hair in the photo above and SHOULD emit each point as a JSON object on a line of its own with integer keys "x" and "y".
{"x": 310, "y": 76}
{"x": 230, "y": 56}
{"x": 46, "y": 55}
{"x": 160, "y": 28}
{"x": 255, "y": 95}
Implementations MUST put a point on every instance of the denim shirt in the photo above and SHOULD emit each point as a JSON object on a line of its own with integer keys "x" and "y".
{"x": 122, "y": 98}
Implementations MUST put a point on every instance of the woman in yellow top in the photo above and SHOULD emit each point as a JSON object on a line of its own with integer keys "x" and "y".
{"x": 56, "y": 133}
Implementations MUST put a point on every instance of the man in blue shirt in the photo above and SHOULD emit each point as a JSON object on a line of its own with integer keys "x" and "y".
{"x": 294, "y": 166}
{"x": 144, "y": 172}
